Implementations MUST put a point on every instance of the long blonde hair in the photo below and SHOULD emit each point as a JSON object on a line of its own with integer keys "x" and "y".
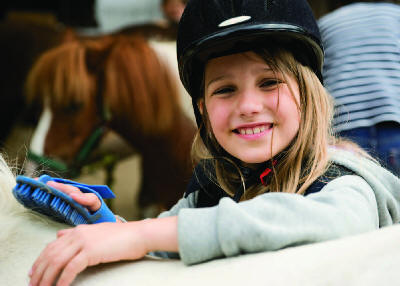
{"x": 305, "y": 159}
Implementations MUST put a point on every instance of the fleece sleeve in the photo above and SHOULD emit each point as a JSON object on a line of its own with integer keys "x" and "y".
{"x": 273, "y": 221}
{"x": 186, "y": 202}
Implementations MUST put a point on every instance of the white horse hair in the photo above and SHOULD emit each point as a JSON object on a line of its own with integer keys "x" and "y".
{"x": 368, "y": 259}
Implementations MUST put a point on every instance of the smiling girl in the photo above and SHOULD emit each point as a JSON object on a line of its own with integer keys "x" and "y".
{"x": 241, "y": 98}
{"x": 269, "y": 173}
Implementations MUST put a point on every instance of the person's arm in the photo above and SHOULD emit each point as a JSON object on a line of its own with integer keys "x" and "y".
{"x": 272, "y": 221}
{"x": 85, "y": 245}
{"x": 77, "y": 248}
{"x": 161, "y": 234}
{"x": 186, "y": 202}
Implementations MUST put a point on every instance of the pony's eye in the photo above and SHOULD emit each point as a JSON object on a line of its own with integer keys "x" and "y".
{"x": 72, "y": 107}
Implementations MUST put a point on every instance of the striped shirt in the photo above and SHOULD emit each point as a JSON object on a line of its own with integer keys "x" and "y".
{"x": 362, "y": 63}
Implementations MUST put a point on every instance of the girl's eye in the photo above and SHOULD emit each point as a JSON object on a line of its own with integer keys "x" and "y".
{"x": 269, "y": 83}
{"x": 223, "y": 90}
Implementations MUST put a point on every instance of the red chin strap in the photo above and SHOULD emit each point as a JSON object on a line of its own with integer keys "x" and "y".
{"x": 266, "y": 172}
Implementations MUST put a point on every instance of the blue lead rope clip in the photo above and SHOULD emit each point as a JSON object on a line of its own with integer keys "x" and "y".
{"x": 40, "y": 197}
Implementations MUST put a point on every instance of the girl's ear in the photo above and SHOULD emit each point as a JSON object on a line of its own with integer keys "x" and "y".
{"x": 200, "y": 105}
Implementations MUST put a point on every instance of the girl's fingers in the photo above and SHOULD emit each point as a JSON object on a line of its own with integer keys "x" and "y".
{"x": 38, "y": 269}
{"x": 51, "y": 272}
{"x": 36, "y": 272}
{"x": 52, "y": 260}
{"x": 73, "y": 268}
{"x": 89, "y": 200}
{"x": 67, "y": 189}
{"x": 63, "y": 232}
{"x": 41, "y": 263}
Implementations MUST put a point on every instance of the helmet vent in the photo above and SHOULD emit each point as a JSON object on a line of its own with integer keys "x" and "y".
{"x": 236, "y": 7}
{"x": 218, "y": 7}
{"x": 267, "y": 4}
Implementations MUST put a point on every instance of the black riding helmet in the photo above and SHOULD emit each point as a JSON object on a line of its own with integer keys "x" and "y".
{"x": 213, "y": 28}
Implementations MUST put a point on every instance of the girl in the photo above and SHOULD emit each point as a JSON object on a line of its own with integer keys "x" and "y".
{"x": 269, "y": 173}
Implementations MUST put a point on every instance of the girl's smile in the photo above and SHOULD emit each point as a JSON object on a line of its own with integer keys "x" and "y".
{"x": 253, "y": 131}
{"x": 249, "y": 106}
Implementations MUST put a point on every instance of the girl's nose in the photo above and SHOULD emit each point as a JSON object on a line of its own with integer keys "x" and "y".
{"x": 249, "y": 103}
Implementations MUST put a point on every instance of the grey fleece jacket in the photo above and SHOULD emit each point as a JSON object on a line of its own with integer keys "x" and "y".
{"x": 347, "y": 205}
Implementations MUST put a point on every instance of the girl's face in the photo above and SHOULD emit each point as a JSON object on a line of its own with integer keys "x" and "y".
{"x": 247, "y": 103}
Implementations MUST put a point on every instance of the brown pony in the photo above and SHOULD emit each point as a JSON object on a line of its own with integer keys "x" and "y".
{"x": 119, "y": 83}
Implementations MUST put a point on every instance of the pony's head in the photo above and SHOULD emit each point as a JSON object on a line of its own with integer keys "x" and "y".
{"x": 87, "y": 86}
{"x": 62, "y": 82}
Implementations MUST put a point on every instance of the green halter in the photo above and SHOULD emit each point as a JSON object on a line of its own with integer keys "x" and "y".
{"x": 75, "y": 169}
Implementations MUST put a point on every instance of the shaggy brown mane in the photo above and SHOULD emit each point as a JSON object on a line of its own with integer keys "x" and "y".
{"x": 134, "y": 82}
{"x": 139, "y": 86}
{"x": 61, "y": 76}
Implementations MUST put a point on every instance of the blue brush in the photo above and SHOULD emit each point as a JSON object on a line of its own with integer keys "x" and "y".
{"x": 36, "y": 195}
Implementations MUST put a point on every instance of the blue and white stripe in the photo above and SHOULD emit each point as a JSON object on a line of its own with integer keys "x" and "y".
{"x": 362, "y": 63}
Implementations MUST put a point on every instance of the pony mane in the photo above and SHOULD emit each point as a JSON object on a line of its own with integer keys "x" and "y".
{"x": 10, "y": 209}
{"x": 12, "y": 213}
{"x": 139, "y": 85}
{"x": 61, "y": 75}
{"x": 7, "y": 181}
{"x": 134, "y": 82}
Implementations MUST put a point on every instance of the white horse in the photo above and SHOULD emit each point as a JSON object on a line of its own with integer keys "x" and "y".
{"x": 368, "y": 259}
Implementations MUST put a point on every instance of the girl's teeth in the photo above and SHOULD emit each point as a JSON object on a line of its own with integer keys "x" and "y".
{"x": 250, "y": 131}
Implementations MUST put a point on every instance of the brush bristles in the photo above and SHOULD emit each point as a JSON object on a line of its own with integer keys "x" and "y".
{"x": 46, "y": 203}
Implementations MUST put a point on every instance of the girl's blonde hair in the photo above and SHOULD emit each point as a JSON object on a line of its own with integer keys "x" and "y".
{"x": 305, "y": 159}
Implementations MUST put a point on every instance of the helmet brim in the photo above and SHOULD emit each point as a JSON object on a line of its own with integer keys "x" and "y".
{"x": 306, "y": 48}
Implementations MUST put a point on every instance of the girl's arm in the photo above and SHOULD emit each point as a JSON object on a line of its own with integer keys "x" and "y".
{"x": 85, "y": 245}
{"x": 345, "y": 206}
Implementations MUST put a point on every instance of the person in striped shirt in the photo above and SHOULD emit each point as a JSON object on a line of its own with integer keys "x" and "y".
{"x": 362, "y": 73}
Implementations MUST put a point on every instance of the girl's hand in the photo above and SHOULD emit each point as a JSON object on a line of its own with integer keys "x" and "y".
{"x": 86, "y": 245}
{"x": 88, "y": 200}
